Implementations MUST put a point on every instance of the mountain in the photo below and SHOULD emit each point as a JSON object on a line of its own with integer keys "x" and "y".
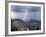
{"x": 17, "y": 22}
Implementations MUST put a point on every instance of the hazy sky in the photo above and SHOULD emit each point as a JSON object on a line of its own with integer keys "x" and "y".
{"x": 25, "y": 12}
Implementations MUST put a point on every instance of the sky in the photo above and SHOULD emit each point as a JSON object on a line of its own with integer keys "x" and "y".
{"x": 25, "y": 13}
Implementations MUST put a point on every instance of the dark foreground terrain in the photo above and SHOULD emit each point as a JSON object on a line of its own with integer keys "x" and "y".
{"x": 19, "y": 25}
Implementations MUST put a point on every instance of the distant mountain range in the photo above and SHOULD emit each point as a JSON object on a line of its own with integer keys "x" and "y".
{"x": 32, "y": 22}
